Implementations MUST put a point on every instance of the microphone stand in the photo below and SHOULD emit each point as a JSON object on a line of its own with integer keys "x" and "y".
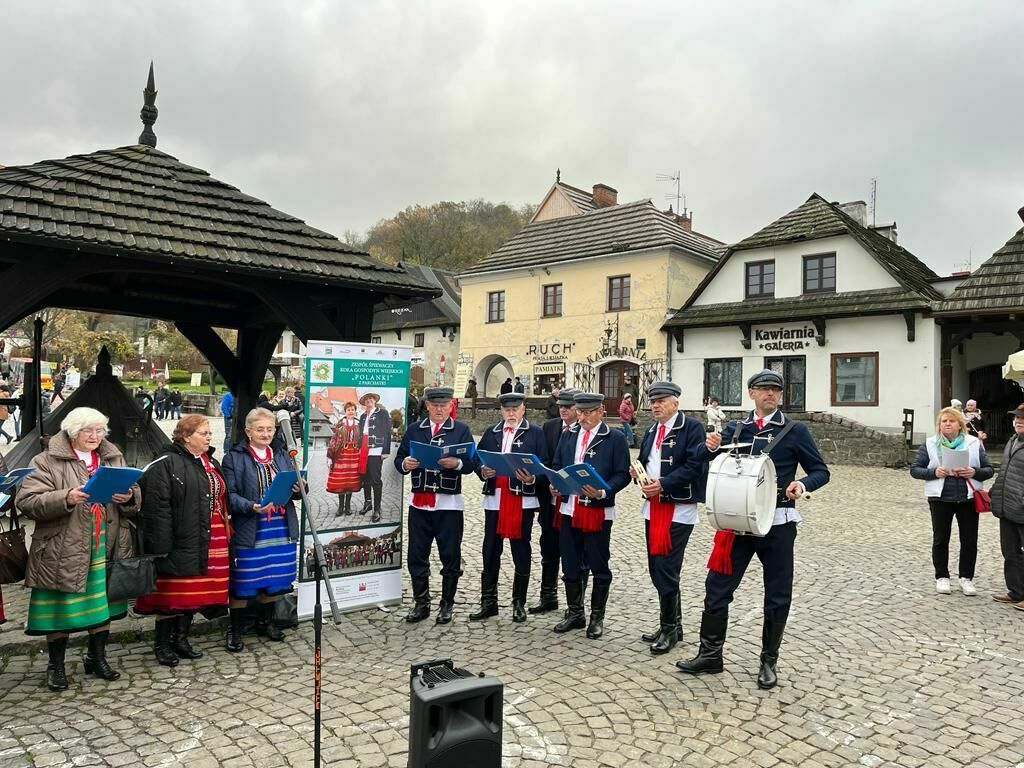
{"x": 321, "y": 576}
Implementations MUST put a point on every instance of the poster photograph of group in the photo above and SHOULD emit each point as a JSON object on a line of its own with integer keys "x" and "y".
{"x": 356, "y": 398}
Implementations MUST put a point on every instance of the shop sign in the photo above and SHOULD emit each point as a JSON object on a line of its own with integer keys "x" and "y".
{"x": 782, "y": 339}
{"x": 558, "y": 350}
{"x": 548, "y": 369}
{"x": 614, "y": 353}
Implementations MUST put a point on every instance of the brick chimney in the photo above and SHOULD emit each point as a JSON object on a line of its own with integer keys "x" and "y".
{"x": 684, "y": 220}
{"x": 605, "y": 196}
{"x": 887, "y": 231}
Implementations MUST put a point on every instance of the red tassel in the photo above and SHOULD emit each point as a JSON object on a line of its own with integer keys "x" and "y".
{"x": 586, "y": 518}
{"x": 556, "y": 517}
{"x": 659, "y": 540}
{"x": 424, "y": 499}
{"x": 510, "y": 511}
{"x": 721, "y": 556}
{"x": 364, "y": 451}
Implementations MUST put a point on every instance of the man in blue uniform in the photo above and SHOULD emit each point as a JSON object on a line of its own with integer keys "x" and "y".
{"x": 549, "y": 501}
{"x": 672, "y": 454}
{"x": 375, "y": 424}
{"x": 790, "y": 444}
{"x": 436, "y": 504}
{"x": 509, "y": 505}
{"x": 585, "y": 535}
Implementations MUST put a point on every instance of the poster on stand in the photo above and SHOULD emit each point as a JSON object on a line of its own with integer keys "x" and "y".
{"x": 356, "y": 396}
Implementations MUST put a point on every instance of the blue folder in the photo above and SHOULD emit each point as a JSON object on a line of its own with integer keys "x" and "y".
{"x": 108, "y": 481}
{"x": 280, "y": 491}
{"x": 14, "y": 477}
{"x": 570, "y": 481}
{"x": 428, "y": 455}
{"x": 506, "y": 464}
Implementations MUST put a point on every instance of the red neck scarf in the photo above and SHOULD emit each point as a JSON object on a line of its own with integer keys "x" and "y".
{"x": 659, "y": 537}
{"x": 98, "y": 518}
{"x": 427, "y": 498}
{"x": 585, "y": 517}
{"x": 510, "y": 505}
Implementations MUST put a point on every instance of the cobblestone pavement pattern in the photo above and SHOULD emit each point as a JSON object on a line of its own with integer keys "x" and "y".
{"x": 876, "y": 670}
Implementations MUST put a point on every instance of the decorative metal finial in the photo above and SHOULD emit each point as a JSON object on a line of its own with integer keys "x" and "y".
{"x": 149, "y": 112}
{"x": 558, "y": 175}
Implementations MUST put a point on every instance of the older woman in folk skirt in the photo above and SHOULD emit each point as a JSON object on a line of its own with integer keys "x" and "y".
{"x": 263, "y": 538}
{"x": 346, "y": 459}
{"x": 73, "y": 537}
{"x": 185, "y": 519}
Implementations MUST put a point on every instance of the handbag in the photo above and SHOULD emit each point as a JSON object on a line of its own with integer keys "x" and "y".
{"x": 982, "y": 499}
{"x": 13, "y": 552}
{"x": 286, "y": 612}
{"x": 129, "y": 577}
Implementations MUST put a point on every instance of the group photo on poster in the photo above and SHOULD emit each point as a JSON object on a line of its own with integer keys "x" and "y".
{"x": 355, "y": 551}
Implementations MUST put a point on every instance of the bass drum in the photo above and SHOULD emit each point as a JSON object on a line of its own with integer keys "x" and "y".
{"x": 742, "y": 493}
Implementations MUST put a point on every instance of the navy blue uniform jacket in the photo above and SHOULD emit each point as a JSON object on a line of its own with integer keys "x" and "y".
{"x": 684, "y": 473}
{"x": 529, "y": 438}
{"x": 607, "y": 453}
{"x": 797, "y": 447}
{"x": 381, "y": 423}
{"x": 243, "y": 484}
{"x": 431, "y": 480}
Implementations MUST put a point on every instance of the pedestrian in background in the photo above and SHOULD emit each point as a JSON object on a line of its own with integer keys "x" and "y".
{"x": 976, "y": 424}
{"x": 471, "y": 395}
{"x": 227, "y": 410}
{"x": 716, "y": 416}
{"x": 950, "y": 494}
{"x": 174, "y": 400}
{"x": 5, "y": 413}
{"x": 1008, "y": 507}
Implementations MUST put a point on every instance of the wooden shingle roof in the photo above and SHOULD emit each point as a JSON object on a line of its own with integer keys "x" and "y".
{"x": 445, "y": 310}
{"x": 994, "y": 287}
{"x": 600, "y": 232}
{"x": 139, "y": 200}
{"x": 584, "y": 201}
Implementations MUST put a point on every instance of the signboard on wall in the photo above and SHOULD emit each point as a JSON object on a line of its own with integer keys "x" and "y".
{"x": 358, "y": 515}
{"x": 784, "y": 338}
{"x": 463, "y": 370}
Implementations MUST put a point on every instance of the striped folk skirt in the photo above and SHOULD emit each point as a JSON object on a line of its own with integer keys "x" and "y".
{"x": 344, "y": 476}
{"x": 269, "y": 567}
{"x": 178, "y": 594}
{"x": 53, "y": 611}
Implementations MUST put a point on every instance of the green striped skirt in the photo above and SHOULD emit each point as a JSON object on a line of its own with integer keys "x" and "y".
{"x": 53, "y": 611}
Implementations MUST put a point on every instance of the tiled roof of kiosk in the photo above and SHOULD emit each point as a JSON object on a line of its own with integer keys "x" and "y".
{"x": 998, "y": 284}
{"x": 881, "y": 301}
{"x": 137, "y": 199}
{"x": 600, "y": 232}
{"x": 818, "y": 218}
{"x": 444, "y": 310}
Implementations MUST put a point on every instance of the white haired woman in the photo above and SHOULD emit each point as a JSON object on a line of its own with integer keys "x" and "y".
{"x": 67, "y": 565}
{"x": 263, "y": 550}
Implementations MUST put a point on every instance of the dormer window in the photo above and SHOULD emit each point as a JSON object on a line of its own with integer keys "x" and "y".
{"x": 760, "y": 279}
{"x": 820, "y": 273}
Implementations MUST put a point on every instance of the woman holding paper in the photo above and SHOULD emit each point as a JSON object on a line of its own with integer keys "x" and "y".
{"x": 185, "y": 518}
{"x": 951, "y": 463}
{"x": 73, "y": 538}
{"x": 346, "y": 459}
{"x": 263, "y": 536}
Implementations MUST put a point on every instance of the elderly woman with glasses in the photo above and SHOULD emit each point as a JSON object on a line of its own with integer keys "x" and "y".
{"x": 185, "y": 519}
{"x": 73, "y": 537}
{"x": 263, "y": 554}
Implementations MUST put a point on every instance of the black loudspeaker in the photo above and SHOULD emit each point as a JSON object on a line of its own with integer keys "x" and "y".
{"x": 454, "y": 717}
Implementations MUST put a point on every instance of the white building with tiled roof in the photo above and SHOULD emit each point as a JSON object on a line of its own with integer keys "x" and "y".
{"x": 578, "y": 297}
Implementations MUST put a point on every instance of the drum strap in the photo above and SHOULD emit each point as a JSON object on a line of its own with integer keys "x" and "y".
{"x": 721, "y": 555}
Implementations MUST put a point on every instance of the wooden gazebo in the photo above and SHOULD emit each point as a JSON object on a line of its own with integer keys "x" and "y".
{"x": 136, "y": 231}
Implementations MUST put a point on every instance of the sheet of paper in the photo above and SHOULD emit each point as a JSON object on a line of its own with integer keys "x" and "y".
{"x": 955, "y": 459}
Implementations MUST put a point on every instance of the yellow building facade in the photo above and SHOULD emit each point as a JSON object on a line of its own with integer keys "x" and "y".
{"x": 579, "y": 298}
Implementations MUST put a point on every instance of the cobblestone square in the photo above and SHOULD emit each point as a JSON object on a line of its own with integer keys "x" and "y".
{"x": 876, "y": 669}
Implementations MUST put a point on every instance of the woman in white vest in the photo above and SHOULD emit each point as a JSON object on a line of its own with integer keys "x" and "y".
{"x": 949, "y": 488}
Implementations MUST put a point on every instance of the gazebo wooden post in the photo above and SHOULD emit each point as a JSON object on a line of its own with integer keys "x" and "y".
{"x": 256, "y": 345}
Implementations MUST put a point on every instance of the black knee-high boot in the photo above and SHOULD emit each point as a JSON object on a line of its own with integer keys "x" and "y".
{"x": 56, "y": 677}
{"x": 713, "y": 627}
{"x": 162, "y": 642}
{"x": 233, "y": 641}
{"x": 95, "y": 660}
{"x": 179, "y": 638}
{"x": 266, "y": 624}
{"x": 771, "y": 639}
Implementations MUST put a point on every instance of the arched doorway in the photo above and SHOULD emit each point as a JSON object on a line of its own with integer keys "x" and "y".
{"x": 491, "y": 372}
{"x": 612, "y": 377}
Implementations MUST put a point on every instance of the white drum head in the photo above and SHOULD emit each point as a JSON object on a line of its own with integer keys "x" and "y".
{"x": 741, "y": 494}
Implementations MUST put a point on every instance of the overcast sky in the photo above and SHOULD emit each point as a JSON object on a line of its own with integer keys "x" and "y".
{"x": 345, "y": 112}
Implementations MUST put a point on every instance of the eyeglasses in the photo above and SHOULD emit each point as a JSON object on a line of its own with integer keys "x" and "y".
{"x": 263, "y": 430}
{"x": 101, "y": 432}
{"x": 207, "y": 433}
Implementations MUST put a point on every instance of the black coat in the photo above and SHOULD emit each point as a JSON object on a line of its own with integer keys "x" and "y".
{"x": 551, "y": 407}
{"x": 552, "y": 434}
{"x": 175, "y": 514}
{"x": 379, "y": 431}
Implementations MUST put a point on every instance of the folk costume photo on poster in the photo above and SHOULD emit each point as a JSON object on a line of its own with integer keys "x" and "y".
{"x": 356, "y": 397}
